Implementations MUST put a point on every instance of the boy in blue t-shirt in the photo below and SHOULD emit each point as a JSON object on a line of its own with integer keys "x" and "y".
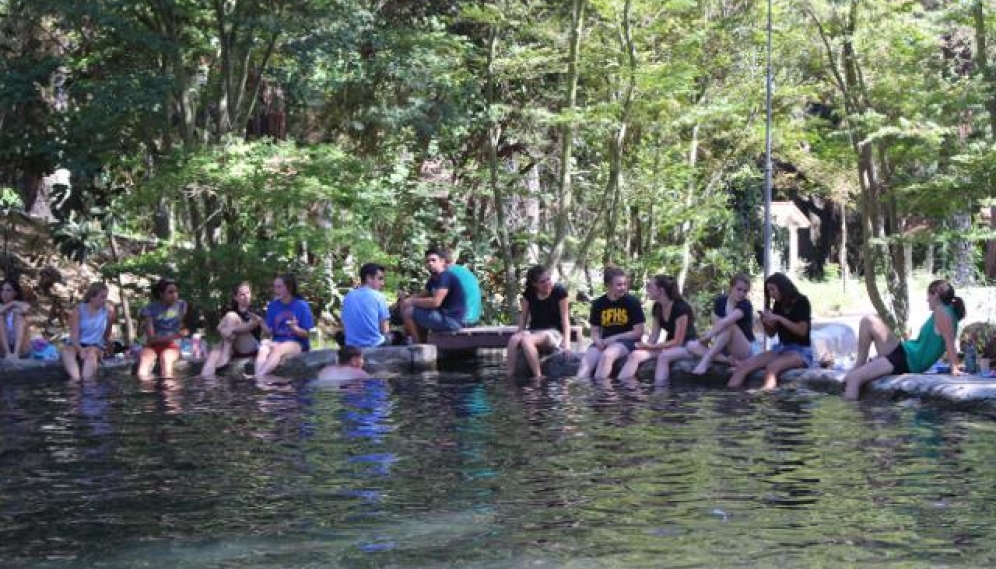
{"x": 365, "y": 316}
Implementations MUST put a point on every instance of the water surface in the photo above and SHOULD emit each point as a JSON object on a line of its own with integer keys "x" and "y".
{"x": 472, "y": 471}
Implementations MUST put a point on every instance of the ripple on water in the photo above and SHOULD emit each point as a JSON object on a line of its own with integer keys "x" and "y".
{"x": 475, "y": 471}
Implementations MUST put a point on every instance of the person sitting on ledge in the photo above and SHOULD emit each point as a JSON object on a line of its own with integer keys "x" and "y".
{"x": 544, "y": 309}
{"x": 732, "y": 331}
{"x": 365, "y": 316}
{"x": 672, "y": 315}
{"x": 937, "y": 336}
{"x": 239, "y": 330}
{"x": 616, "y": 324}
{"x": 471, "y": 293}
{"x": 15, "y": 338}
{"x": 163, "y": 319}
{"x": 790, "y": 318}
{"x": 349, "y": 366}
{"x": 89, "y": 334}
{"x": 289, "y": 322}
{"x": 441, "y": 307}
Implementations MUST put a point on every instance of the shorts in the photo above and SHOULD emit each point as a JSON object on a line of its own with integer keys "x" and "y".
{"x": 435, "y": 320}
{"x": 629, "y": 344}
{"x": 806, "y": 352}
{"x": 897, "y": 358}
{"x": 161, "y": 347}
{"x": 556, "y": 338}
{"x": 247, "y": 354}
{"x": 83, "y": 346}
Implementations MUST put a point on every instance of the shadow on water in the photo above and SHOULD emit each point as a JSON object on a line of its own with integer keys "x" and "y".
{"x": 468, "y": 469}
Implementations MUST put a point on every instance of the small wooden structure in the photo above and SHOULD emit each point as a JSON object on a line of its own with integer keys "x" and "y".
{"x": 467, "y": 339}
{"x": 786, "y": 214}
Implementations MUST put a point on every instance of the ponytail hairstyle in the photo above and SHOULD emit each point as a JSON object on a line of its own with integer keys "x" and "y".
{"x": 233, "y": 306}
{"x": 160, "y": 287}
{"x": 533, "y": 276}
{"x": 946, "y": 293}
{"x": 93, "y": 290}
{"x": 610, "y": 275}
{"x": 670, "y": 287}
{"x": 786, "y": 289}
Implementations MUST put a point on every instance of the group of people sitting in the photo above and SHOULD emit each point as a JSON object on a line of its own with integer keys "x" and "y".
{"x": 288, "y": 320}
{"x": 451, "y": 300}
{"x": 618, "y": 327}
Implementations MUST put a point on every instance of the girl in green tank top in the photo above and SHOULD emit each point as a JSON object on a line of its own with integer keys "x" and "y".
{"x": 937, "y": 336}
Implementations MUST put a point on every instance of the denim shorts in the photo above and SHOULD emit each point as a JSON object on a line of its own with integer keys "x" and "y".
{"x": 806, "y": 352}
{"x": 435, "y": 320}
{"x": 630, "y": 344}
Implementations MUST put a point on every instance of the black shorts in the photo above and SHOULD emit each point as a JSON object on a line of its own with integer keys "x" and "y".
{"x": 898, "y": 360}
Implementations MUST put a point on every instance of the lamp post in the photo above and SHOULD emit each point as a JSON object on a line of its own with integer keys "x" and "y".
{"x": 767, "y": 156}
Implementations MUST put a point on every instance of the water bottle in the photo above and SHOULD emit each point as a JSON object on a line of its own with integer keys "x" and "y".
{"x": 971, "y": 364}
{"x": 196, "y": 348}
{"x": 185, "y": 348}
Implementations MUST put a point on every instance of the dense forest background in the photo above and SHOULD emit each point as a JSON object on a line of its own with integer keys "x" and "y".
{"x": 247, "y": 137}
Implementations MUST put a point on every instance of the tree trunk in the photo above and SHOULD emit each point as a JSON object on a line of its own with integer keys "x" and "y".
{"x": 129, "y": 330}
{"x": 878, "y": 216}
{"x": 564, "y": 186}
{"x": 988, "y": 72}
{"x": 982, "y": 61}
{"x": 494, "y": 135}
{"x": 686, "y": 227}
{"x": 845, "y": 272}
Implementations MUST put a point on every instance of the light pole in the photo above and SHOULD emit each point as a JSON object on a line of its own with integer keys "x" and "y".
{"x": 767, "y": 157}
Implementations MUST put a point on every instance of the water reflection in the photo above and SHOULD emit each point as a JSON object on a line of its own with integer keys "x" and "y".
{"x": 477, "y": 471}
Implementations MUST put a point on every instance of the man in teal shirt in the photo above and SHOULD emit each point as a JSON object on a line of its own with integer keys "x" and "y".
{"x": 471, "y": 291}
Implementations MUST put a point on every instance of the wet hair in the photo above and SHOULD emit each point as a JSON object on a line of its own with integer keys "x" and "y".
{"x": 786, "y": 288}
{"x": 18, "y": 293}
{"x": 611, "y": 273}
{"x": 946, "y": 293}
{"x": 159, "y": 289}
{"x": 290, "y": 281}
{"x": 440, "y": 252}
{"x": 370, "y": 270}
{"x": 533, "y": 276}
{"x": 740, "y": 278}
{"x": 234, "y": 305}
{"x": 347, "y": 353}
{"x": 93, "y": 290}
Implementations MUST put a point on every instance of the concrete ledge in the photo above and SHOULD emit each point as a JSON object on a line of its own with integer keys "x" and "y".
{"x": 966, "y": 391}
{"x": 389, "y": 360}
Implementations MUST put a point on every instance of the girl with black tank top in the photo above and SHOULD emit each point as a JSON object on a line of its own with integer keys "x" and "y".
{"x": 239, "y": 330}
{"x": 544, "y": 321}
{"x": 672, "y": 315}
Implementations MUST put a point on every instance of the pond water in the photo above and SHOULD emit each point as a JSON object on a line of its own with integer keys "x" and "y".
{"x": 472, "y": 471}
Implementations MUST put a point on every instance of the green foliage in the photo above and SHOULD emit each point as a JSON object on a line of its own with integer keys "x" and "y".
{"x": 9, "y": 199}
{"x": 391, "y": 111}
{"x": 78, "y": 238}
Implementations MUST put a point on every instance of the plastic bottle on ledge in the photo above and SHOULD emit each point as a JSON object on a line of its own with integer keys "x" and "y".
{"x": 971, "y": 361}
{"x": 196, "y": 348}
